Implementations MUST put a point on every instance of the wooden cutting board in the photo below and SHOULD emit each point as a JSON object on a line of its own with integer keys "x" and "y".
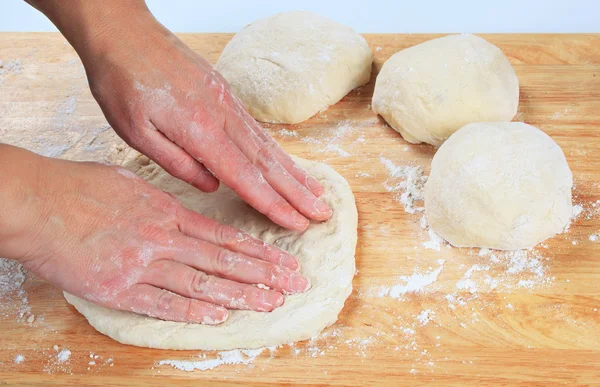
{"x": 472, "y": 319}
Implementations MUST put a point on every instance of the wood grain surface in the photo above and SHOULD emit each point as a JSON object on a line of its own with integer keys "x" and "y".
{"x": 498, "y": 329}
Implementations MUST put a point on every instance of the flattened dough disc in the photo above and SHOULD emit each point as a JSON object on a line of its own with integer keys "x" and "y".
{"x": 325, "y": 250}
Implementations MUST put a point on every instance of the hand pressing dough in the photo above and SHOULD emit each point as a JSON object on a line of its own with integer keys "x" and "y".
{"x": 288, "y": 67}
{"x": 429, "y": 91}
{"x": 500, "y": 185}
{"x": 325, "y": 250}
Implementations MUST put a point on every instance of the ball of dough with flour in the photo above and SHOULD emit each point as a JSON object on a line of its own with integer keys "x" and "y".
{"x": 429, "y": 91}
{"x": 501, "y": 185}
{"x": 288, "y": 67}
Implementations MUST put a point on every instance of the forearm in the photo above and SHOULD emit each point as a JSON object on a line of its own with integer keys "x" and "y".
{"x": 96, "y": 26}
{"x": 21, "y": 199}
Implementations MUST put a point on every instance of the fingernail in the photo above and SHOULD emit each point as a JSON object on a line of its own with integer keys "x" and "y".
{"x": 224, "y": 315}
{"x": 299, "y": 283}
{"x": 270, "y": 300}
{"x": 299, "y": 220}
{"x": 322, "y": 207}
{"x": 219, "y": 317}
{"x": 314, "y": 185}
{"x": 289, "y": 262}
{"x": 279, "y": 300}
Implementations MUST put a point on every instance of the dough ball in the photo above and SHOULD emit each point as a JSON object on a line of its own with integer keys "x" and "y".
{"x": 429, "y": 91}
{"x": 498, "y": 185}
{"x": 288, "y": 67}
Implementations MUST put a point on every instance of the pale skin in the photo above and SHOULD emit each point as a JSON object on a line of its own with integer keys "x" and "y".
{"x": 105, "y": 235}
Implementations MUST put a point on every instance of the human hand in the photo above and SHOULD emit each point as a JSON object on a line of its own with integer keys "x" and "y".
{"x": 170, "y": 104}
{"x": 107, "y": 236}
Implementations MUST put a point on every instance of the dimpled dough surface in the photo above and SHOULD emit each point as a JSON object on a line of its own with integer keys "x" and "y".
{"x": 288, "y": 67}
{"x": 325, "y": 250}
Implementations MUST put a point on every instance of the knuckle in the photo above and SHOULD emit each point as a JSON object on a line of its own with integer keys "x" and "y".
{"x": 272, "y": 272}
{"x": 155, "y": 232}
{"x": 133, "y": 134}
{"x": 226, "y": 236}
{"x": 170, "y": 206}
{"x": 264, "y": 160}
{"x": 165, "y": 303}
{"x": 166, "y": 203}
{"x": 225, "y": 261}
{"x": 190, "y": 313}
{"x": 183, "y": 167}
{"x": 198, "y": 283}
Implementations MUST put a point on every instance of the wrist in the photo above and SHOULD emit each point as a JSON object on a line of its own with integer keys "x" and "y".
{"x": 98, "y": 27}
{"x": 21, "y": 200}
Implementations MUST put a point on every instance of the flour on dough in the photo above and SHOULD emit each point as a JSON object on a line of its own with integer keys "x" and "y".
{"x": 287, "y": 67}
{"x": 499, "y": 185}
{"x": 325, "y": 250}
{"x": 429, "y": 91}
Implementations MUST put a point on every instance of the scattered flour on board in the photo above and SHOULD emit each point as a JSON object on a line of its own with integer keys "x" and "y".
{"x": 407, "y": 183}
{"x": 63, "y": 356}
{"x": 435, "y": 241}
{"x": 287, "y": 133}
{"x": 9, "y": 67}
{"x": 236, "y": 356}
{"x": 19, "y": 359}
{"x": 414, "y": 283}
{"x": 425, "y": 316}
{"x": 330, "y": 144}
{"x": 343, "y": 131}
{"x": 559, "y": 114}
{"x": 14, "y": 301}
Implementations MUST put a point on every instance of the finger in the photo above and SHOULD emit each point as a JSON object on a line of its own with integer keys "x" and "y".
{"x": 212, "y": 259}
{"x": 177, "y": 161}
{"x": 280, "y": 179}
{"x": 191, "y": 283}
{"x": 200, "y": 227}
{"x": 228, "y": 163}
{"x": 154, "y": 302}
{"x": 284, "y": 159}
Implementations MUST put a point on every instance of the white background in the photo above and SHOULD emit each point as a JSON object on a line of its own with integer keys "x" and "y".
{"x": 363, "y": 15}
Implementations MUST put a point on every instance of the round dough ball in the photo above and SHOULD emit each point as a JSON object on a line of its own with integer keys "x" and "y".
{"x": 288, "y": 67}
{"x": 429, "y": 91}
{"x": 498, "y": 185}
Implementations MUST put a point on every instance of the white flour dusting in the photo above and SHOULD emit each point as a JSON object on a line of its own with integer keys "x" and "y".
{"x": 14, "y": 301}
{"x": 236, "y": 356}
{"x": 12, "y": 276}
{"x": 287, "y": 133}
{"x": 64, "y": 111}
{"x": 63, "y": 356}
{"x": 425, "y": 316}
{"x": 414, "y": 283}
{"x": 557, "y": 115}
{"x": 435, "y": 241}
{"x": 330, "y": 144}
{"x": 344, "y": 131}
{"x": 407, "y": 183}
{"x": 9, "y": 67}
{"x": 19, "y": 359}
